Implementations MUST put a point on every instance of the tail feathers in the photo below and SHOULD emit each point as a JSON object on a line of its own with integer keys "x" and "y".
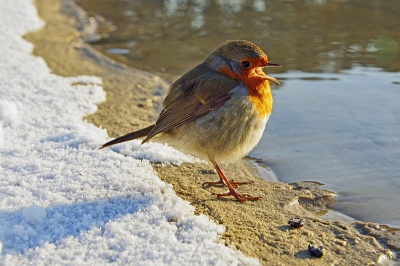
{"x": 130, "y": 136}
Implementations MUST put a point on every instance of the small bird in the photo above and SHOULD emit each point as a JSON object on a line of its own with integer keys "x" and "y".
{"x": 216, "y": 111}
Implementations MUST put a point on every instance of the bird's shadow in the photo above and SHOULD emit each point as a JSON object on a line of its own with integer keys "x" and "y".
{"x": 24, "y": 229}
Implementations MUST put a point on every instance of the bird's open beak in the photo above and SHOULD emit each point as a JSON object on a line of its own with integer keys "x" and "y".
{"x": 271, "y": 78}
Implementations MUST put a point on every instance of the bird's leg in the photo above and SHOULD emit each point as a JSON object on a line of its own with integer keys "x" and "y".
{"x": 221, "y": 181}
{"x": 231, "y": 191}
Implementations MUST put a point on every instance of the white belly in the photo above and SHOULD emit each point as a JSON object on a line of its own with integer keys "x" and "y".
{"x": 223, "y": 135}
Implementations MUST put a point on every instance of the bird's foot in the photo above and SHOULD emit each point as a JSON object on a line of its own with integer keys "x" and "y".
{"x": 238, "y": 196}
{"x": 221, "y": 183}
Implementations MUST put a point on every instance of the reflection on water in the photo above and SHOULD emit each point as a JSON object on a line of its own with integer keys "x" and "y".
{"x": 311, "y": 35}
{"x": 334, "y": 126}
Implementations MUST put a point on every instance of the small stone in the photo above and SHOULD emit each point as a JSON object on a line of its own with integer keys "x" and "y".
{"x": 296, "y": 222}
{"x": 316, "y": 251}
{"x": 340, "y": 242}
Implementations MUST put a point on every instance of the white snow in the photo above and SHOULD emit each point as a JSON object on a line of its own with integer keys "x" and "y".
{"x": 62, "y": 201}
{"x": 154, "y": 152}
{"x": 34, "y": 214}
{"x": 8, "y": 113}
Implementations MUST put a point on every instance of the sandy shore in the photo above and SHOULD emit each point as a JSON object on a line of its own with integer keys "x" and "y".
{"x": 259, "y": 229}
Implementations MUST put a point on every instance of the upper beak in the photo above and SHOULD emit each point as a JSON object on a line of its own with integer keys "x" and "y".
{"x": 272, "y": 65}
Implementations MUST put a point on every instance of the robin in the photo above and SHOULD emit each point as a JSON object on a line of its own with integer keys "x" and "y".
{"x": 216, "y": 111}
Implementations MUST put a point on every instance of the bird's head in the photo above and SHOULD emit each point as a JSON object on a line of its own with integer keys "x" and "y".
{"x": 241, "y": 60}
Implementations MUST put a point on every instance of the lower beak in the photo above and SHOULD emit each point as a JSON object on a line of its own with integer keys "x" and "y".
{"x": 271, "y": 79}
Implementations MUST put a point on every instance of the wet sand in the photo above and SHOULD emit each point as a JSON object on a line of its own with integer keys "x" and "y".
{"x": 258, "y": 229}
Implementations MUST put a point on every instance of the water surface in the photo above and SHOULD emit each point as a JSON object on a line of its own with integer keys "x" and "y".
{"x": 336, "y": 114}
{"x": 341, "y": 130}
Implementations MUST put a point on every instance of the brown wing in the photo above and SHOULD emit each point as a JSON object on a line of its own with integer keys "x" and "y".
{"x": 199, "y": 94}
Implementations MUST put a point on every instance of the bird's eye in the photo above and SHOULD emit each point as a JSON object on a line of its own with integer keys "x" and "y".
{"x": 245, "y": 64}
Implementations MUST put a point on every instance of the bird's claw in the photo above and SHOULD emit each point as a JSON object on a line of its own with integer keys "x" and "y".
{"x": 238, "y": 196}
{"x": 213, "y": 184}
{"x": 221, "y": 183}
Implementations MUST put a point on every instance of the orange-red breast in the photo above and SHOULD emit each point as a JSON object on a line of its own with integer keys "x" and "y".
{"x": 218, "y": 110}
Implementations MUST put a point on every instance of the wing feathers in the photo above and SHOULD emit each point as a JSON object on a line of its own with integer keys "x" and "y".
{"x": 130, "y": 136}
{"x": 209, "y": 91}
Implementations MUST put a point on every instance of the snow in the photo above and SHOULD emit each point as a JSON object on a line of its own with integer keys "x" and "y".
{"x": 154, "y": 152}
{"x": 64, "y": 202}
{"x": 8, "y": 113}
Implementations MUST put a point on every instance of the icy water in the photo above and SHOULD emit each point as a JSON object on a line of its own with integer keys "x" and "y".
{"x": 336, "y": 118}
